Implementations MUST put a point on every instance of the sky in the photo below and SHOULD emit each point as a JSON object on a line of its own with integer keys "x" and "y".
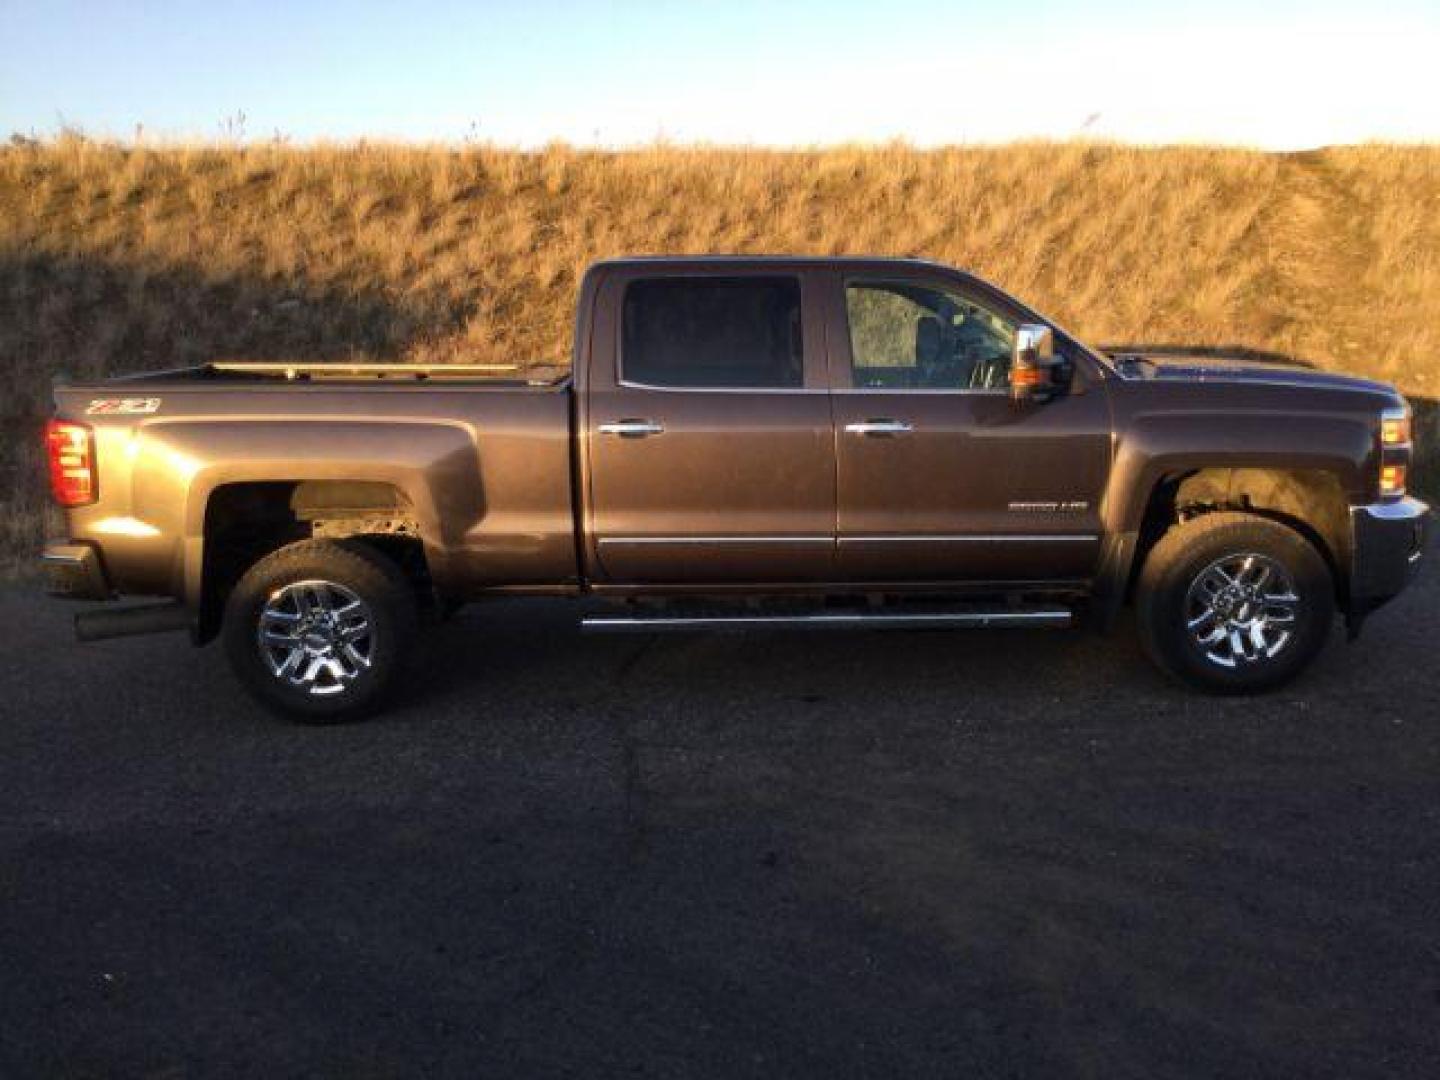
{"x": 1268, "y": 73}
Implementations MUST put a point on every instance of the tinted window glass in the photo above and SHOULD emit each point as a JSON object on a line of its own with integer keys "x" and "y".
{"x": 915, "y": 337}
{"x": 712, "y": 332}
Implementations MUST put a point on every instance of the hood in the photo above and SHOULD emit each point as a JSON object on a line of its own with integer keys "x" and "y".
{"x": 1169, "y": 367}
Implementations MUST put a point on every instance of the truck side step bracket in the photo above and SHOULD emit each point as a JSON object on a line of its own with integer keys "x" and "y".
{"x": 970, "y": 619}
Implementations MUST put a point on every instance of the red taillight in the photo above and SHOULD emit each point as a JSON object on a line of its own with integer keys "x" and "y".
{"x": 71, "y": 449}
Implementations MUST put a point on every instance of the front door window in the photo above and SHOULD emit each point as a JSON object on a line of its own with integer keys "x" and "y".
{"x": 906, "y": 336}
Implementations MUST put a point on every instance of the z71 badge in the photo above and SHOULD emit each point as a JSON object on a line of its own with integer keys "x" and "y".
{"x": 130, "y": 406}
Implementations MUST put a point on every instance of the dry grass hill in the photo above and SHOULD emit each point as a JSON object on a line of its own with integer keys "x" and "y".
{"x": 115, "y": 258}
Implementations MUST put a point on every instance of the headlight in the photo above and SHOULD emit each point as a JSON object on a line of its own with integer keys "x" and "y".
{"x": 1395, "y": 427}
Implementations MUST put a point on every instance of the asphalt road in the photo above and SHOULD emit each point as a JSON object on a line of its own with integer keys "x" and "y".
{"x": 910, "y": 854}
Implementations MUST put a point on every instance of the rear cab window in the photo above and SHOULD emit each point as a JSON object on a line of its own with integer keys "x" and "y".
{"x": 712, "y": 332}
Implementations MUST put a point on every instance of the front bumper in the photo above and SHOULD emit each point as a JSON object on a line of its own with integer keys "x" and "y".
{"x": 1388, "y": 544}
{"x": 73, "y": 571}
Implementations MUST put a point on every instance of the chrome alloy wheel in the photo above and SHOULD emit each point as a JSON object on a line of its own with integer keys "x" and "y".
{"x": 317, "y": 636}
{"x": 1242, "y": 609}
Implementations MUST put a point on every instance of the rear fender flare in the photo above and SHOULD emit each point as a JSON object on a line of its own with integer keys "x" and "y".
{"x": 434, "y": 465}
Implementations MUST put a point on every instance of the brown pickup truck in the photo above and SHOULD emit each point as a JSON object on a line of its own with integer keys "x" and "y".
{"x": 744, "y": 443}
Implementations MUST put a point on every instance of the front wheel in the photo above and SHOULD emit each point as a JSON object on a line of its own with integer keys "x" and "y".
{"x": 319, "y": 629}
{"x": 1234, "y": 603}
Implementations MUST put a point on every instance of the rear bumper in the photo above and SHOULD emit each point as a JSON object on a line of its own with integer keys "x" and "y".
{"x": 73, "y": 571}
{"x": 1387, "y": 549}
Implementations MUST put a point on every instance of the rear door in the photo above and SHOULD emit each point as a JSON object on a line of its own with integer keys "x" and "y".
{"x": 709, "y": 445}
{"x": 939, "y": 475}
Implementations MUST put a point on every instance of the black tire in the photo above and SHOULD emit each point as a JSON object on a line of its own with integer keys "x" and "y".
{"x": 348, "y": 570}
{"x": 1171, "y": 593}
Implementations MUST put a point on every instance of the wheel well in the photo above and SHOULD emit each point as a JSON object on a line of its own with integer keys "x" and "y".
{"x": 1310, "y": 501}
{"x": 244, "y": 522}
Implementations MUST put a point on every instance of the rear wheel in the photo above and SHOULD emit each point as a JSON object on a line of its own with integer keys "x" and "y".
{"x": 1234, "y": 603}
{"x": 318, "y": 630}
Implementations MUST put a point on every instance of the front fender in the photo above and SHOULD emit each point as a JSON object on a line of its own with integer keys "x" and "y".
{"x": 1165, "y": 443}
{"x": 1157, "y": 446}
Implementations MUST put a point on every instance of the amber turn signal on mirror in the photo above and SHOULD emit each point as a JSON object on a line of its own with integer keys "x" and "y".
{"x": 1031, "y": 363}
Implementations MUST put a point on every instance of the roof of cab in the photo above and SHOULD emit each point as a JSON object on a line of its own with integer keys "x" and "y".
{"x": 853, "y": 261}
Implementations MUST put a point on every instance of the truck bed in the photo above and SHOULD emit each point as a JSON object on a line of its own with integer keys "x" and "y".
{"x": 482, "y": 463}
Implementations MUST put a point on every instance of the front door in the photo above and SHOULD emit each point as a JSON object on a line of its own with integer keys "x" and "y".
{"x": 939, "y": 475}
{"x": 709, "y": 440}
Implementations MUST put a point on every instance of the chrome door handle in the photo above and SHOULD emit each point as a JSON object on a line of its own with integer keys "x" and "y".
{"x": 879, "y": 427}
{"x": 632, "y": 429}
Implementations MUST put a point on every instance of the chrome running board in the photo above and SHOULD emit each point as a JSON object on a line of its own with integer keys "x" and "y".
{"x": 996, "y": 619}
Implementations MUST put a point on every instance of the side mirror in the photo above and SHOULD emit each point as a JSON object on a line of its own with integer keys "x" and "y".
{"x": 1033, "y": 364}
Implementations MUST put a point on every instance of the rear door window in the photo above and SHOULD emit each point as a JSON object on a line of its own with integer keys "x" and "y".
{"x": 713, "y": 333}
